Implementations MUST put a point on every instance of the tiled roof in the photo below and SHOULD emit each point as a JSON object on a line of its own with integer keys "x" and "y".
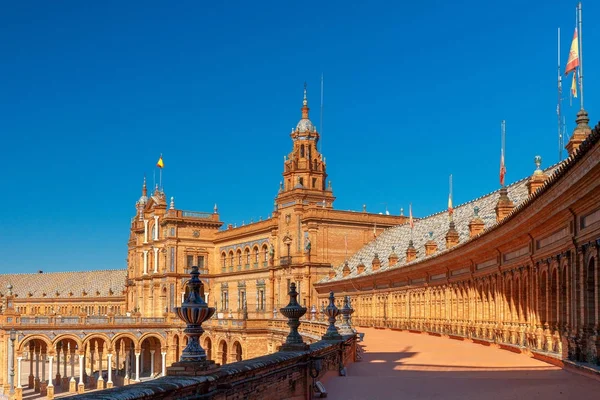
{"x": 95, "y": 284}
{"x": 399, "y": 236}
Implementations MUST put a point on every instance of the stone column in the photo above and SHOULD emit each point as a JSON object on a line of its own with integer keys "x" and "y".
{"x": 127, "y": 377}
{"x": 19, "y": 388}
{"x": 36, "y": 384}
{"x": 109, "y": 382}
{"x": 50, "y": 388}
{"x": 137, "y": 367}
{"x": 155, "y": 259}
{"x": 164, "y": 363}
{"x": 152, "y": 363}
{"x": 145, "y": 262}
{"x": 72, "y": 382}
{"x": 58, "y": 349}
{"x": 100, "y": 384}
{"x": 80, "y": 385}
{"x": 31, "y": 378}
{"x": 156, "y": 227}
{"x": 65, "y": 378}
{"x": 43, "y": 356}
{"x": 146, "y": 230}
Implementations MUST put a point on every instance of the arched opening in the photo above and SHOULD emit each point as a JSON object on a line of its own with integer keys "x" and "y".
{"x": 124, "y": 360}
{"x": 525, "y": 299}
{"x": 255, "y": 250}
{"x": 239, "y": 259}
{"x": 518, "y": 300}
{"x": 35, "y": 354}
{"x": 301, "y": 151}
{"x": 554, "y": 299}
{"x": 563, "y": 297}
{"x": 223, "y": 351}
{"x": 208, "y": 348}
{"x": 224, "y": 260}
{"x": 176, "y": 344}
{"x": 231, "y": 259}
{"x": 150, "y": 358}
{"x": 237, "y": 350}
{"x": 590, "y": 293}
{"x": 247, "y": 257}
{"x": 543, "y": 298}
{"x": 265, "y": 252}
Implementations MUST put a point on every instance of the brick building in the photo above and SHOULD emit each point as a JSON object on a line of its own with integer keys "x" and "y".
{"x": 125, "y": 317}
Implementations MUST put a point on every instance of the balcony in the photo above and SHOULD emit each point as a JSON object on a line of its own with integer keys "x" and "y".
{"x": 285, "y": 261}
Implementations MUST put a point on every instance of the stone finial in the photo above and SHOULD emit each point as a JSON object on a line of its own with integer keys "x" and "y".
{"x": 476, "y": 225}
{"x": 538, "y": 178}
{"x": 452, "y": 237}
{"x": 332, "y": 312}
{"x": 402, "y": 211}
{"x": 411, "y": 252}
{"x": 280, "y": 186}
{"x": 376, "y": 263}
{"x": 346, "y": 269}
{"x": 215, "y": 209}
{"x": 430, "y": 245}
{"x": 346, "y": 311}
{"x": 194, "y": 311}
{"x": 331, "y": 273}
{"x": 360, "y": 268}
{"x": 393, "y": 257}
{"x": 580, "y": 133}
{"x": 364, "y": 208}
{"x": 172, "y": 205}
{"x": 293, "y": 311}
{"x": 504, "y": 205}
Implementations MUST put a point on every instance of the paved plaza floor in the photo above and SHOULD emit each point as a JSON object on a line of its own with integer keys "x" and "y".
{"x": 403, "y": 365}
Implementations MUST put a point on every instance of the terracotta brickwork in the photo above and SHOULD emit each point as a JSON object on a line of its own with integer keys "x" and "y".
{"x": 529, "y": 282}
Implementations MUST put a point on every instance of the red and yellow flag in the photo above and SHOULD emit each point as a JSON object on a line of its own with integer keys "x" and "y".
{"x": 574, "y": 86}
{"x": 502, "y": 168}
{"x": 160, "y": 163}
{"x": 450, "y": 208}
{"x": 573, "y": 61}
{"x": 410, "y": 218}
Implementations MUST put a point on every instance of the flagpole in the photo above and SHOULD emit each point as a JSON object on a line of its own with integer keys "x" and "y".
{"x": 503, "y": 145}
{"x": 559, "y": 104}
{"x": 321, "y": 119}
{"x": 580, "y": 35}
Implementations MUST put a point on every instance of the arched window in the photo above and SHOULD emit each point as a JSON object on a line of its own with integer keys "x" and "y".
{"x": 231, "y": 258}
{"x": 301, "y": 151}
{"x": 224, "y": 259}
{"x": 239, "y": 257}
{"x": 265, "y": 253}
{"x": 247, "y": 254}
{"x": 256, "y": 254}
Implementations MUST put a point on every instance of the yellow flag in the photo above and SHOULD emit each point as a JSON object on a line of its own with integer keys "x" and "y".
{"x": 574, "y": 86}
{"x": 160, "y": 163}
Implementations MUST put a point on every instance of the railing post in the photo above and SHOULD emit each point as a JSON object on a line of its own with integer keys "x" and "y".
{"x": 193, "y": 311}
{"x": 293, "y": 311}
{"x": 332, "y": 312}
{"x": 346, "y": 311}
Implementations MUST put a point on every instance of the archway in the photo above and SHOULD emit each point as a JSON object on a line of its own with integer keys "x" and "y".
{"x": 150, "y": 358}
{"x": 237, "y": 350}
{"x": 208, "y": 348}
{"x": 223, "y": 351}
{"x": 124, "y": 360}
{"x": 35, "y": 350}
{"x": 95, "y": 360}
{"x": 590, "y": 292}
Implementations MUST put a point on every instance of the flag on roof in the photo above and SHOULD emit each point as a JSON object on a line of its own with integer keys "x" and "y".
{"x": 160, "y": 163}
{"x": 574, "y": 87}
{"x": 502, "y": 168}
{"x": 573, "y": 61}
{"x": 410, "y": 217}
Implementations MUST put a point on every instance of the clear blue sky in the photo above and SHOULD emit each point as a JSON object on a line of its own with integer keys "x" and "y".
{"x": 93, "y": 92}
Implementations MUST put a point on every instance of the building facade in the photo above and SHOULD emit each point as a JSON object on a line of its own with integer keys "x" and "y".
{"x": 69, "y": 327}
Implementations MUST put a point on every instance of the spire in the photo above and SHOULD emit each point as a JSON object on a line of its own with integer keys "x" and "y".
{"x": 305, "y": 105}
{"x": 144, "y": 189}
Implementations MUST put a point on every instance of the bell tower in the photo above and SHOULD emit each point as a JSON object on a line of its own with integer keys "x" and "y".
{"x": 304, "y": 169}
